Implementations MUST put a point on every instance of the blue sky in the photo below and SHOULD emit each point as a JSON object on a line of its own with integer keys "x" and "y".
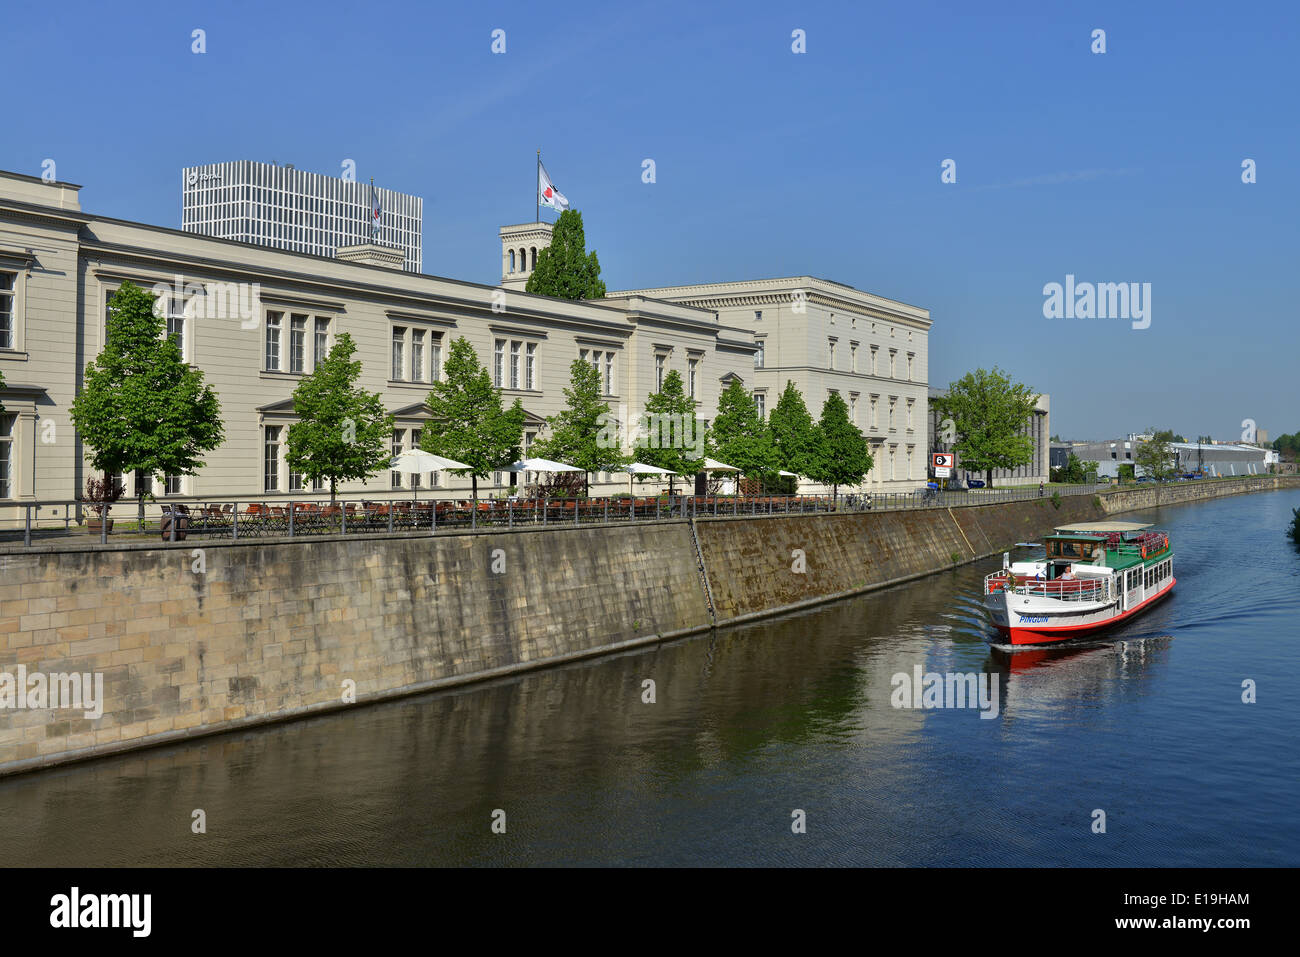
{"x": 1118, "y": 167}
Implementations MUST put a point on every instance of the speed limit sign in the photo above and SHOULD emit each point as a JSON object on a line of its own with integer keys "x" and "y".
{"x": 943, "y": 463}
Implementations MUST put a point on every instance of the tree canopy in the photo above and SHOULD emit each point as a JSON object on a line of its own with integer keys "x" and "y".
{"x": 578, "y": 433}
{"x": 342, "y": 432}
{"x": 990, "y": 413}
{"x": 142, "y": 406}
{"x": 739, "y": 435}
{"x": 844, "y": 457}
{"x": 1154, "y": 455}
{"x": 467, "y": 421}
{"x": 797, "y": 444}
{"x": 672, "y": 437}
{"x": 564, "y": 268}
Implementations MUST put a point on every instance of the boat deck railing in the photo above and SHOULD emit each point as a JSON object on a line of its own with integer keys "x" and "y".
{"x": 1066, "y": 589}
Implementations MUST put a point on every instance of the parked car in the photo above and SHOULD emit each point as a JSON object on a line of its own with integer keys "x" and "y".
{"x": 974, "y": 483}
{"x": 1145, "y": 478}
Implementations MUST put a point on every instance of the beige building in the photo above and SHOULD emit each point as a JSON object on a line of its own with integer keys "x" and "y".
{"x": 256, "y": 319}
{"x": 827, "y": 337}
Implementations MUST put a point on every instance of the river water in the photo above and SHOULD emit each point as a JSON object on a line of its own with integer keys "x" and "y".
{"x": 752, "y": 725}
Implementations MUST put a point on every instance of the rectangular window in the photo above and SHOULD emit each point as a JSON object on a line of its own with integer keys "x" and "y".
{"x": 760, "y": 401}
{"x": 435, "y": 358}
{"x": 893, "y": 401}
{"x": 7, "y": 455}
{"x": 893, "y": 361}
{"x": 417, "y": 355}
{"x": 273, "y": 341}
{"x": 909, "y": 414}
{"x": 297, "y": 342}
{"x": 830, "y": 353}
{"x": 499, "y": 363}
{"x": 415, "y": 444}
{"x": 758, "y": 315}
{"x": 399, "y": 348}
{"x": 910, "y": 359}
{"x": 322, "y": 341}
{"x": 693, "y": 366}
{"x": 7, "y": 282}
{"x": 659, "y": 373}
{"x": 873, "y": 360}
{"x": 760, "y": 356}
{"x": 530, "y": 366}
{"x": 609, "y": 373}
{"x": 853, "y": 357}
{"x": 853, "y": 409}
{"x": 514, "y": 364}
{"x": 271, "y": 460}
{"x": 172, "y": 485}
{"x": 395, "y": 477}
{"x": 297, "y": 481}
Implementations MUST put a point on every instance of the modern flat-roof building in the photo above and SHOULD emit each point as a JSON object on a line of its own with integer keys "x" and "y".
{"x": 288, "y": 208}
{"x": 827, "y": 337}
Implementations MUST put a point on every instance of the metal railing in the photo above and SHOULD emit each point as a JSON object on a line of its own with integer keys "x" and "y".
{"x": 183, "y": 518}
{"x": 1072, "y": 589}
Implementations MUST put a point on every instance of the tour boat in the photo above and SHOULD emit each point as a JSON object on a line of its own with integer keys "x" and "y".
{"x": 1091, "y": 576}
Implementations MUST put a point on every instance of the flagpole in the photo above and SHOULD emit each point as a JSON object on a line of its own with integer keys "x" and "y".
{"x": 537, "y": 187}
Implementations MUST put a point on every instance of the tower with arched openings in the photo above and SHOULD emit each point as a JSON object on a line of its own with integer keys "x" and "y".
{"x": 520, "y": 247}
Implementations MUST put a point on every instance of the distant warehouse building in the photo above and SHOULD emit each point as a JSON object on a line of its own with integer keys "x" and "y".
{"x": 1215, "y": 460}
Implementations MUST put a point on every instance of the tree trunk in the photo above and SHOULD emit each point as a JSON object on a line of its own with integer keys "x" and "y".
{"x": 474, "y": 485}
{"x": 334, "y": 488}
{"x": 988, "y": 477}
{"x": 140, "y": 507}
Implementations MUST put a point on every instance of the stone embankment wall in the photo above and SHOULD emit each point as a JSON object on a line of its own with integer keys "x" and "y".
{"x": 198, "y": 640}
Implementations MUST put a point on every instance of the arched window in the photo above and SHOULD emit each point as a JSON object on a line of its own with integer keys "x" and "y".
{"x": 523, "y": 260}
{"x": 534, "y": 266}
{"x": 512, "y": 260}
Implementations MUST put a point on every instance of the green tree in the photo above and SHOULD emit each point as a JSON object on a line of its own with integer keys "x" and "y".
{"x": 582, "y": 433}
{"x": 343, "y": 431}
{"x": 672, "y": 437}
{"x": 739, "y": 435}
{"x": 1155, "y": 456}
{"x": 845, "y": 457}
{"x": 795, "y": 438}
{"x": 990, "y": 413}
{"x": 467, "y": 421}
{"x": 143, "y": 408}
{"x": 564, "y": 268}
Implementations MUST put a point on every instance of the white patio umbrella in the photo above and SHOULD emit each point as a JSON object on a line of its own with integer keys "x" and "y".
{"x": 713, "y": 465}
{"x": 639, "y": 468}
{"x": 540, "y": 465}
{"x": 418, "y": 461}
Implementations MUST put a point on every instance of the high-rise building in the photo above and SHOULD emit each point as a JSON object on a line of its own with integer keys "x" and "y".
{"x": 293, "y": 209}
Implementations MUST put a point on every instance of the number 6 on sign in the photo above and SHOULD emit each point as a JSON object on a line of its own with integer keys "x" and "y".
{"x": 942, "y": 463}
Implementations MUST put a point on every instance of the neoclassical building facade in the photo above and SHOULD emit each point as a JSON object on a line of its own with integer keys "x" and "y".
{"x": 257, "y": 319}
{"x": 828, "y": 337}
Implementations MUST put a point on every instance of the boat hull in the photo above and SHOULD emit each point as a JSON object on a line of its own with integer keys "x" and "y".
{"x": 1050, "y": 629}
